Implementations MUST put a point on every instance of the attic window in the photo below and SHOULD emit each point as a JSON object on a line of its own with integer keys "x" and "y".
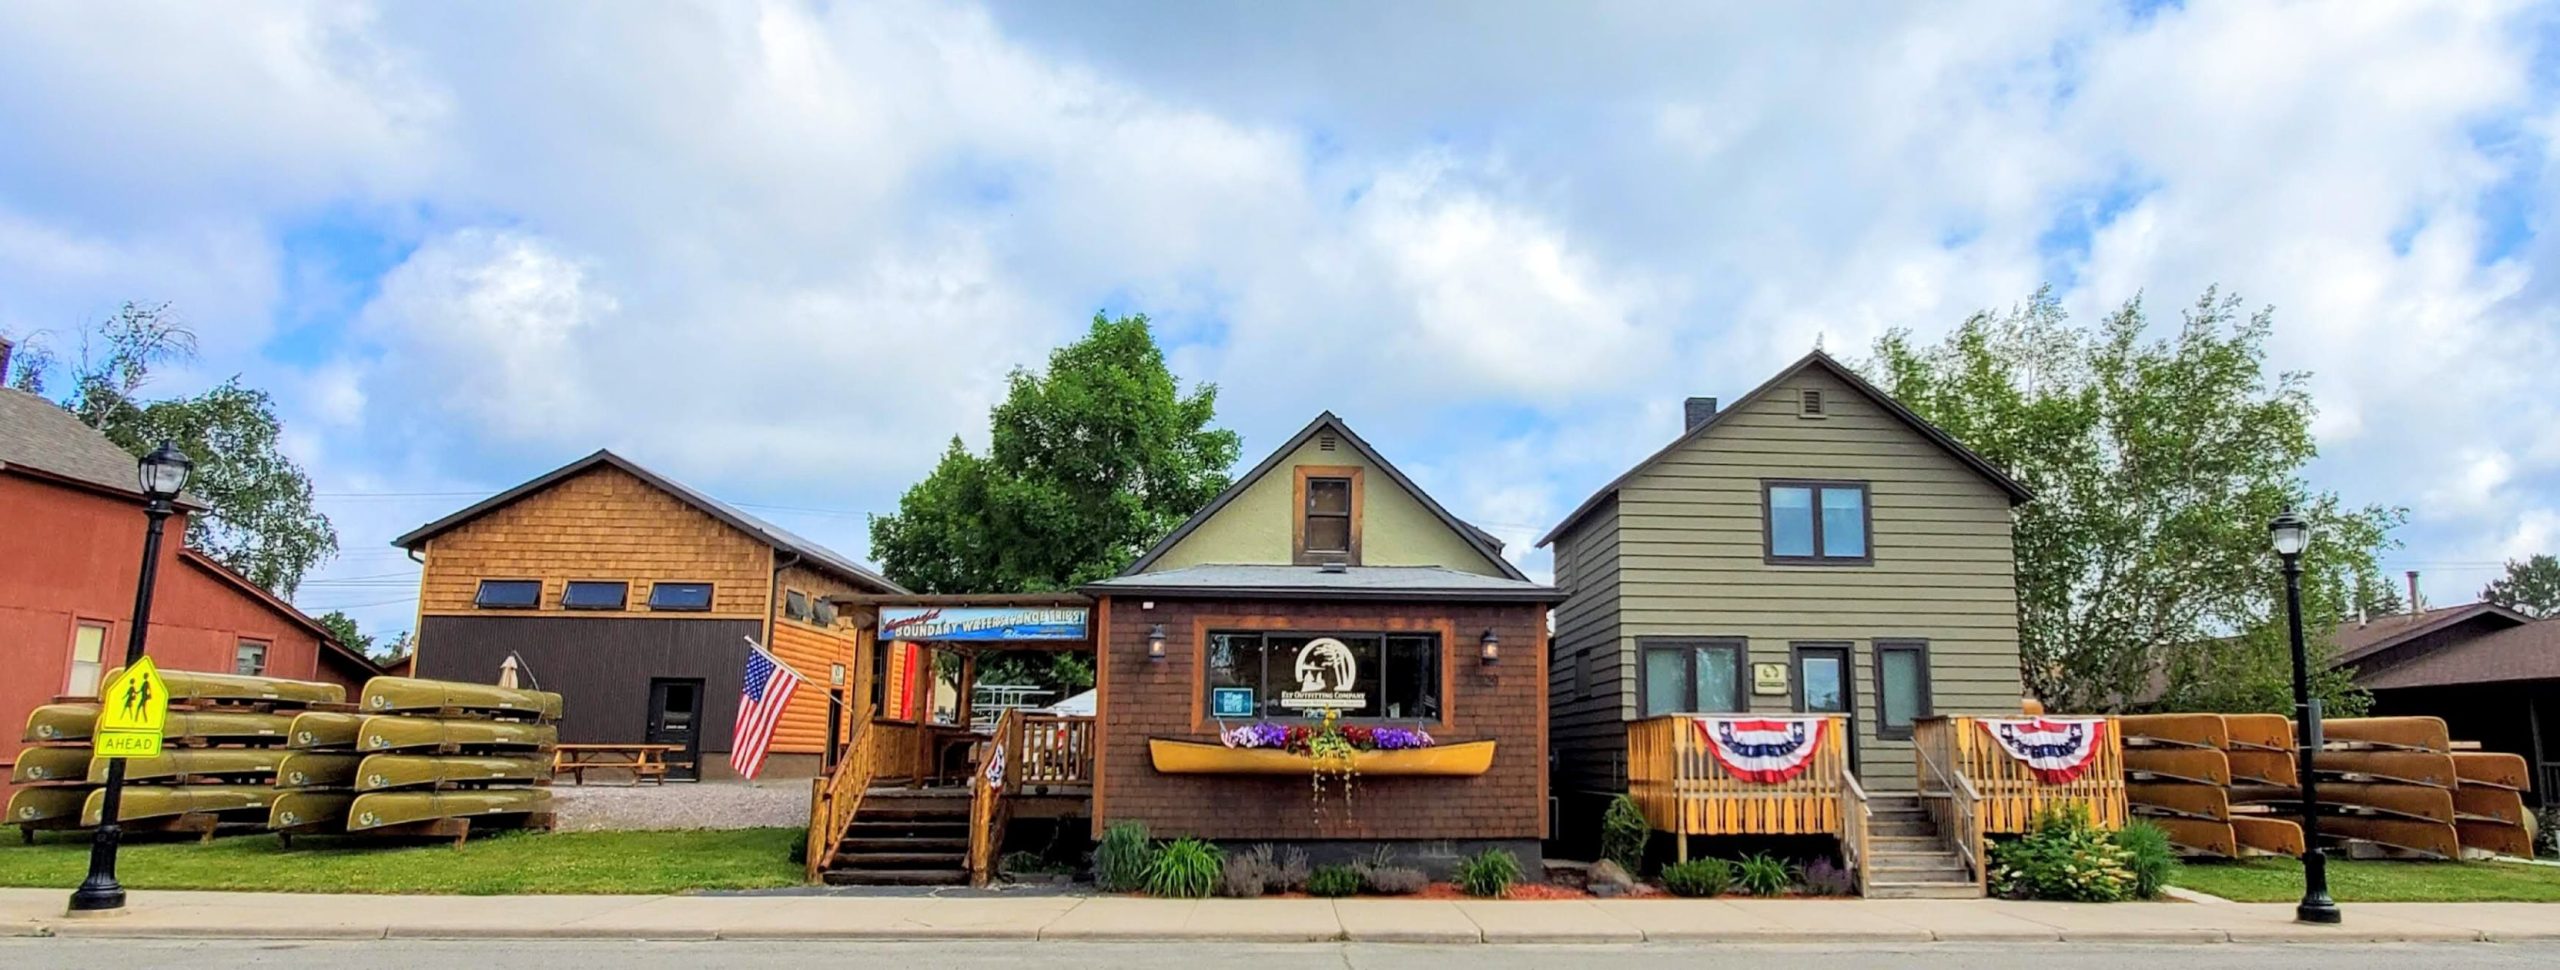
{"x": 1809, "y": 403}
{"x": 1327, "y": 529}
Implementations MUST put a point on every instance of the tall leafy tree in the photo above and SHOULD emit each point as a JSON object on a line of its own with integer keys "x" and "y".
{"x": 2531, "y": 586}
{"x": 259, "y": 518}
{"x": 2143, "y": 565}
{"x": 344, "y": 629}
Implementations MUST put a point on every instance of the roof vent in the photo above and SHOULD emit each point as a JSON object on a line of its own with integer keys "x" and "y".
{"x": 1336, "y": 566}
{"x": 1809, "y": 402}
{"x": 1324, "y": 442}
{"x": 1698, "y": 411}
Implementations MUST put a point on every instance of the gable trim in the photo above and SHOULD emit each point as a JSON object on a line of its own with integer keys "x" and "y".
{"x": 2018, "y": 493}
{"x": 1481, "y": 541}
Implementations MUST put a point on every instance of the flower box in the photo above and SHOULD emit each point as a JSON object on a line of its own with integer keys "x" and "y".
{"x": 1173, "y": 756}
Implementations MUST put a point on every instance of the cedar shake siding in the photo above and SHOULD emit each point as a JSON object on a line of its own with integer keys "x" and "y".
{"x": 603, "y": 523}
{"x": 1677, "y": 548}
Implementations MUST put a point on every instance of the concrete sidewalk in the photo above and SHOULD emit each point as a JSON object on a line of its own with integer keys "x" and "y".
{"x": 38, "y": 912}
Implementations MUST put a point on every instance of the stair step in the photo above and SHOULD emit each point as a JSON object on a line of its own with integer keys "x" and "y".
{"x": 1923, "y": 890}
{"x": 1904, "y": 843}
{"x": 852, "y": 845}
{"x": 902, "y": 860}
{"x": 1911, "y": 860}
{"x": 895, "y": 877}
{"x": 885, "y": 828}
{"x": 1884, "y": 828}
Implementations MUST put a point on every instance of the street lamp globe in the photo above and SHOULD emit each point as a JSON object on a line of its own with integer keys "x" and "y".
{"x": 164, "y": 472}
{"x": 2291, "y": 534}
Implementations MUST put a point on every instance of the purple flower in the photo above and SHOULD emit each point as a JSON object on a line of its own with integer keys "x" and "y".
{"x": 1256, "y": 735}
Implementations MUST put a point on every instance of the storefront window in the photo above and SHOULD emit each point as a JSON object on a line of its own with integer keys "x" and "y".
{"x": 1298, "y": 675}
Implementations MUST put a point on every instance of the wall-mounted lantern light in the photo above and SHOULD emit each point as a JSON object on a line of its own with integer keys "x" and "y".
{"x": 1155, "y": 643}
{"x": 1492, "y": 647}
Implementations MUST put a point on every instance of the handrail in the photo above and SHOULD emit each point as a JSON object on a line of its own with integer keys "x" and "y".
{"x": 834, "y": 799}
{"x": 1053, "y": 749}
{"x": 1855, "y": 813}
{"x": 987, "y": 809}
{"x": 1960, "y": 822}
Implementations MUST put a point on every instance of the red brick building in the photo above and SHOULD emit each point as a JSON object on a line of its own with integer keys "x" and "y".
{"x": 71, "y": 528}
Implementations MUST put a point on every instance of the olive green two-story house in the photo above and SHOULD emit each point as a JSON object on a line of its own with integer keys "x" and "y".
{"x": 1815, "y": 547}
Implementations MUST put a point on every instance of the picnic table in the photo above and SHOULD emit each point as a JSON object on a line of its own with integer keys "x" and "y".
{"x": 643, "y": 761}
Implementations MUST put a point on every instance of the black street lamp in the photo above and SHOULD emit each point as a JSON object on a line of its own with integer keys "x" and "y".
{"x": 163, "y": 473}
{"x": 2292, "y": 535}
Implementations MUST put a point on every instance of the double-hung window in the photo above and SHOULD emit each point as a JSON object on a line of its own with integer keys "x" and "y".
{"x": 250, "y": 659}
{"x": 88, "y": 645}
{"x": 1692, "y": 675}
{"x": 1816, "y": 523}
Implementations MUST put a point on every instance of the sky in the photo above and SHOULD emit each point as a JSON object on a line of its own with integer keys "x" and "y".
{"x": 785, "y": 251}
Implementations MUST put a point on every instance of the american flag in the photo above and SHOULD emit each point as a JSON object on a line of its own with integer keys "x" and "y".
{"x": 768, "y": 689}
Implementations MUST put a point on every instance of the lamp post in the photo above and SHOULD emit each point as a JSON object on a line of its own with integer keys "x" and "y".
{"x": 162, "y": 474}
{"x": 2291, "y": 535}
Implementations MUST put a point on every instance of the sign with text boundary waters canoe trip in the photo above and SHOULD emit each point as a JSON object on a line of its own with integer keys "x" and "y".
{"x": 982, "y": 623}
{"x": 133, "y": 713}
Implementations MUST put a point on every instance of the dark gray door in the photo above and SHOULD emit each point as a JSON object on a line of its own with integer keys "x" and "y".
{"x": 675, "y": 717}
{"x": 1824, "y": 686}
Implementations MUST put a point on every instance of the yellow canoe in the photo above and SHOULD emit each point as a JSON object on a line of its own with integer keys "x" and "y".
{"x": 257, "y": 764}
{"x": 228, "y": 726}
{"x": 319, "y": 810}
{"x": 318, "y": 769}
{"x": 37, "y": 806}
{"x": 392, "y": 733}
{"x": 1177, "y": 757}
{"x": 57, "y": 723}
{"x": 394, "y": 695}
{"x": 387, "y": 771}
{"x": 51, "y": 766}
{"x": 162, "y": 801}
{"x": 323, "y": 730}
{"x": 374, "y": 810}
{"x": 193, "y": 685}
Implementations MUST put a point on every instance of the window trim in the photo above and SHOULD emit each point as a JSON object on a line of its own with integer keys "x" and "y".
{"x": 1928, "y": 693}
{"x": 1298, "y": 552}
{"x": 1203, "y": 626}
{"x": 807, "y": 605}
{"x": 266, "y": 652}
{"x": 624, "y": 605}
{"x": 1796, "y": 649}
{"x": 1688, "y": 645}
{"x": 106, "y": 636}
{"x": 710, "y": 596}
{"x": 1768, "y": 523}
{"x": 480, "y": 593}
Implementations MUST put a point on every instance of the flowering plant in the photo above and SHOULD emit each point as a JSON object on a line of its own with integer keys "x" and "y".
{"x": 1330, "y": 735}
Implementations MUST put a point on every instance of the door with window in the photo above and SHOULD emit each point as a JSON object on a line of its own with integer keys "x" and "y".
{"x": 675, "y": 718}
{"x": 1823, "y": 685}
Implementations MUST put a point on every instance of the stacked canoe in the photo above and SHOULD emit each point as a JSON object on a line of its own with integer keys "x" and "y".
{"x": 218, "y": 759}
{"x": 2181, "y": 770}
{"x": 51, "y": 777}
{"x": 421, "y": 757}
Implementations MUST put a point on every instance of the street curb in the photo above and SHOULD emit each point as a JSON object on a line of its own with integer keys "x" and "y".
{"x": 915, "y": 935}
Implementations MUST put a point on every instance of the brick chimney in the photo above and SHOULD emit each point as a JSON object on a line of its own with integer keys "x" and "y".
{"x": 1698, "y": 410}
{"x": 2414, "y": 608}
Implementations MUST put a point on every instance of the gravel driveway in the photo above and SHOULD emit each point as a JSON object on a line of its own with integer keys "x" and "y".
{"x": 596, "y": 807}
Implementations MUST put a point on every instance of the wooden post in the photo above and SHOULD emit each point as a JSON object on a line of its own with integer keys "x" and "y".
{"x": 1681, "y": 841}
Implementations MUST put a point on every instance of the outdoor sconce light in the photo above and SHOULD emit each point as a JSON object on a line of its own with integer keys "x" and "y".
{"x": 1492, "y": 647}
{"x": 1155, "y": 643}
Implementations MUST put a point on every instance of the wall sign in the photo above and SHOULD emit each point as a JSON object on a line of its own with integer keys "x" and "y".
{"x": 1231, "y": 701}
{"x": 1328, "y": 678}
{"x": 1769, "y": 680}
{"x": 982, "y": 623}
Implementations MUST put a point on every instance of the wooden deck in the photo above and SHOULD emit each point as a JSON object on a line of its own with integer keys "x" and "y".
{"x": 1683, "y": 791}
{"x": 1973, "y": 789}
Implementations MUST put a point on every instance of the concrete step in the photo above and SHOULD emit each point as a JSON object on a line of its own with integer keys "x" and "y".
{"x": 1923, "y": 890}
{"x": 895, "y": 877}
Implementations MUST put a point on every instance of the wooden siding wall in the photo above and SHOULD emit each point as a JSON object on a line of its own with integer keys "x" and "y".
{"x": 1688, "y": 562}
{"x": 1589, "y": 695}
{"x": 600, "y": 524}
{"x": 814, "y": 650}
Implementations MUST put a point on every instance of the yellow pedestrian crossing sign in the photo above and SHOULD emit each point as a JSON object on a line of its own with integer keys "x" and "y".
{"x": 133, "y": 711}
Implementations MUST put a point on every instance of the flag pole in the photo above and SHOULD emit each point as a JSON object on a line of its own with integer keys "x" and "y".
{"x": 777, "y": 661}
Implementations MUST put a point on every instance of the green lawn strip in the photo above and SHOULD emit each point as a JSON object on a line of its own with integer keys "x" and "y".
{"x": 2280, "y": 881}
{"x": 507, "y": 863}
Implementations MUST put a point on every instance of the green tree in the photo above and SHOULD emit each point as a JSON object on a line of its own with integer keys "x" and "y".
{"x": 343, "y": 628}
{"x": 2531, "y": 587}
{"x": 258, "y": 517}
{"x": 2143, "y": 565}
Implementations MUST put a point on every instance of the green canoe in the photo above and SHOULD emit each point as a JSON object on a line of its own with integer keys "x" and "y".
{"x": 54, "y": 723}
{"x": 384, "y": 808}
{"x": 386, "y": 771}
{"x": 307, "y": 809}
{"x": 391, "y": 695}
{"x": 162, "y": 801}
{"x": 308, "y": 769}
{"x": 244, "y": 763}
{"x": 51, "y": 766}
{"x": 34, "y": 806}
{"x": 244, "y": 726}
{"x": 324, "y": 729}
{"x": 191, "y": 685}
{"x": 389, "y": 733}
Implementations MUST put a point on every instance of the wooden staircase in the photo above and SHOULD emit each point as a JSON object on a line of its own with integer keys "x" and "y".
{"x": 905, "y": 837}
{"x": 1907, "y": 858}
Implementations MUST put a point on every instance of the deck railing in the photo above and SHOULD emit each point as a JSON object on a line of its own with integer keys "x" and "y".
{"x": 1051, "y": 749}
{"x": 988, "y": 788}
{"x": 1954, "y": 804}
{"x": 1973, "y": 789}
{"x": 1682, "y": 789}
{"x": 835, "y": 797}
{"x": 1855, "y": 813}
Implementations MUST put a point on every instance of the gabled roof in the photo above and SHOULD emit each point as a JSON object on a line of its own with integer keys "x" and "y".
{"x": 2357, "y": 641}
{"x": 815, "y": 555}
{"x": 328, "y": 639}
{"x": 2527, "y": 652}
{"x": 1482, "y": 541}
{"x": 39, "y": 437}
{"x": 2018, "y": 493}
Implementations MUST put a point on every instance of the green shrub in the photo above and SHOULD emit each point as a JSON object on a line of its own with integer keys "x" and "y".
{"x": 1489, "y": 873}
{"x": 2546, "y": 832}
{"x": 1186, "y": 869}
{"x": 1123, "y": 859}
{"x": 1333, "y": 881}
{"x": 2064, "y": 856}
{"x": 1762, "y": 874}
{"x": 1249, "y": 874}
{"x": 1698, "y": 878}
{"x": 1623, "y": 834}
{"x": 2148, "y": 853}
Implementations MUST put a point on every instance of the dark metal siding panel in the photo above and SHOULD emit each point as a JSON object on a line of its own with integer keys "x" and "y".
{"x": 601, "y": 666}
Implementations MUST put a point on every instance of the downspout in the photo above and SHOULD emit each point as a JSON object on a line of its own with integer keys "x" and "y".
{"x": 773, "y": 616}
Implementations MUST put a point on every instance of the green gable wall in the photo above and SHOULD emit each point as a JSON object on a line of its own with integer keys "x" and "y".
{"x": 1396, "y": 528}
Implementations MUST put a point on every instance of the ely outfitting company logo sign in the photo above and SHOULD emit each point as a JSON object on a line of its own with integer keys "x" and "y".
{"x": 982, "y": 623}
{"x": 1328, "y": 678}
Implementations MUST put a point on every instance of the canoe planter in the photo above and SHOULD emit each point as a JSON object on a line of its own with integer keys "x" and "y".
{"x": 309, "y": 811}
{"x": 322, "y": 730}
{"x": 57, "y": 723}
{"x": 51, "y": 766}
{"x": 392, "y": 733}
{"x": 387, "y": 771}
{"x": 46, "y": 807}
{"x": 318, "y": 769}
{"x": 1177, "y": 757}
{"x": 2174, "y": 731}
{"x": 247, "y": 764}
{"x": 395, "y": 695}
{"x": 196, "y": 686}
{"x": 382, "y": 809}
{"x": 163, "y": 801}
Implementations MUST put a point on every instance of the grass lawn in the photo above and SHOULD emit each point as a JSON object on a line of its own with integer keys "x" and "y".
{"x": 2280, "y": 881}
{"x": 507, "y": 863}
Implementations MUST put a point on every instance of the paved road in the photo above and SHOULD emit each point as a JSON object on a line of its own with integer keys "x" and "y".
{"x": 36, "y": 954}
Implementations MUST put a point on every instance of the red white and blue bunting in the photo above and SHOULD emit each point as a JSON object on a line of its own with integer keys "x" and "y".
{"x": 2059, "y": 750}
{"x": 1765, "y": 750}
